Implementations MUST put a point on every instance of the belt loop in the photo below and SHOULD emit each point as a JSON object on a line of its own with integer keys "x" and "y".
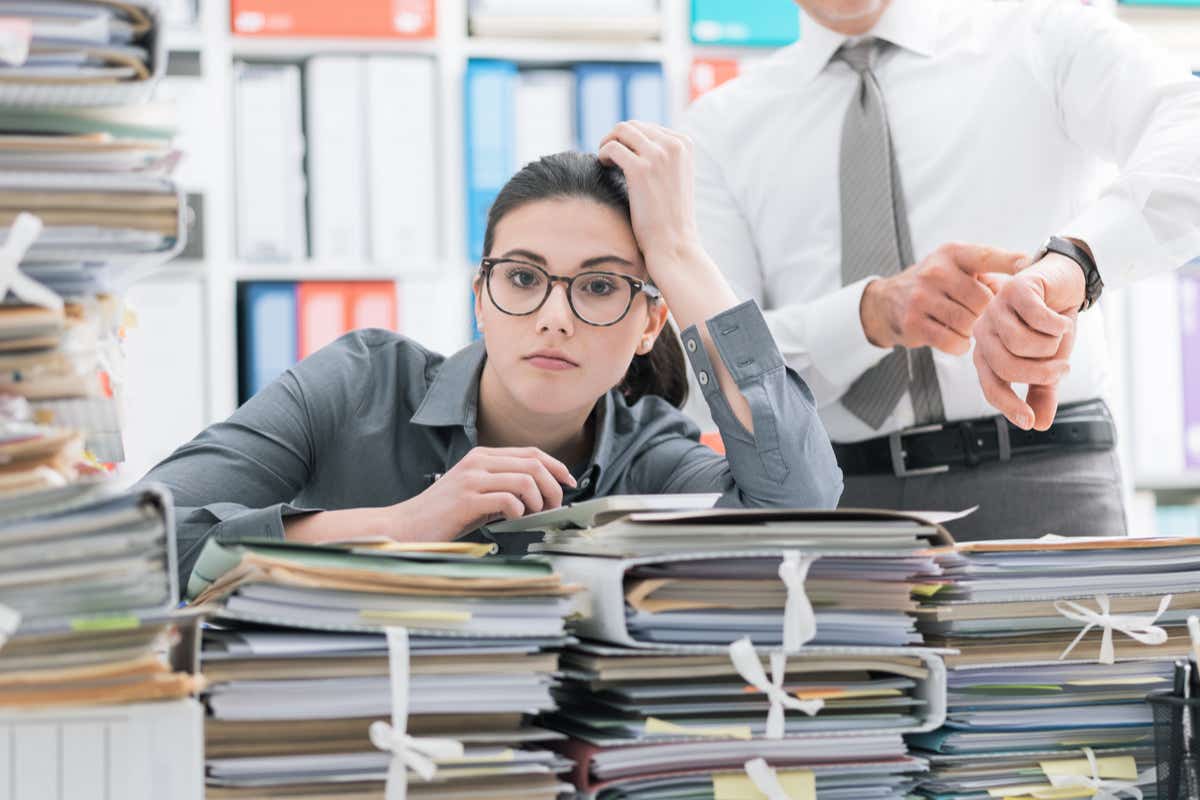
{"x": 1002, "y": 439}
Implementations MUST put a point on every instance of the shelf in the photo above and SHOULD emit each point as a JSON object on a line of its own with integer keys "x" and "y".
{"x": 1177, "y": 482}
{"x": 185, "y": 40}
{"x": 550, "y": 51}
{"x": 1177, "y": 29}
{"x": 295, "y": 49}
{"x": 326, "y": 271}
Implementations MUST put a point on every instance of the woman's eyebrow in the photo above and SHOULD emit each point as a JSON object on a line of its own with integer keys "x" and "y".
{"x": 601, "y": 260}
{"x": 528, "y": 255}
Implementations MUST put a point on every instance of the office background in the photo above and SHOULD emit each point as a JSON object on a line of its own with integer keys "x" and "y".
{"x": 308, "y": 219}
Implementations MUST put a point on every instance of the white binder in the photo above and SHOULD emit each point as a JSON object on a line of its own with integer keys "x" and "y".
{"x": 335, "y": 88}
{"x": 545, "y": 102}
{"x": 270, "y": 163}
{"x": 148, "y": 751}
{"x": 402, "y": 175}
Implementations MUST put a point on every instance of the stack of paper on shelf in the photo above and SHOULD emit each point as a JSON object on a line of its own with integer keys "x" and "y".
{"x": 689, "y": 612}
{"x": 60, "y": 52}
{"x": 302, "y": 666}
{"x": 1059, "y": 641}
{"x": 583, "y": 19}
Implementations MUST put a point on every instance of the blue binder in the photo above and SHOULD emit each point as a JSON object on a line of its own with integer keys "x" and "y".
{"x": 600, "y": 102}
{"x": 761, "y": 23}
{"x": 267, "y": 334}
{"x": 490, "y": 130}
{"x": 645, "y": 93}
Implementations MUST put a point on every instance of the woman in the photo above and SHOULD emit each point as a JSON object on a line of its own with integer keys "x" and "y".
{"x": 374, "y": 435}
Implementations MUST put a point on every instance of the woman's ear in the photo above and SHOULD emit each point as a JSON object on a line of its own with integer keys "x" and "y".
{"x": 656, "y": 319}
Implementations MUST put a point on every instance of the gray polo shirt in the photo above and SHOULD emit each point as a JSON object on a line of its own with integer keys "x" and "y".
{"x": 371, "y": 419}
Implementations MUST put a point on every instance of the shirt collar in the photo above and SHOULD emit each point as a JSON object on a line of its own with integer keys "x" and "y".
{"x": 910, "y": 24}
{"x": 453, "y": 400}
{"x": 453, "y": 396}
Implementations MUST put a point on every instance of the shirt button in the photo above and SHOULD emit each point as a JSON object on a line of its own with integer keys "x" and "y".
{"x": 585, "y": 483}
{"x": 691, "y": 345}
{"x": 703, "y": 377}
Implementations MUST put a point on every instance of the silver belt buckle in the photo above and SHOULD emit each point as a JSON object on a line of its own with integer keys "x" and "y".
{"x": 899, "y": 454}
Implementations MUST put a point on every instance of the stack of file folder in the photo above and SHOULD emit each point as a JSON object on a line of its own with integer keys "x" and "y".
{"x": 97, "y": 673}
{"x": 299, "y": 667}
{"x": 92, "y": 587}
{"x": 667, "y": 694}
{"x": 1058, "y": 642}
{"x": 67, "y": 52}
{"x": 86, "y": 207}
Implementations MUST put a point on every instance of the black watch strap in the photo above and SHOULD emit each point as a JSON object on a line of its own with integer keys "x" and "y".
{"x": 1093, "y": 285}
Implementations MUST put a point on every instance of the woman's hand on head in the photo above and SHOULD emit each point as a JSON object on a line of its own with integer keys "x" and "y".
{"x": 657, "y": 163}
{"x": 488, "y": 484}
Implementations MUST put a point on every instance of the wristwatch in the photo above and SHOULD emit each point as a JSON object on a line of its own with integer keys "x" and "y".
{"x": 1093, "y": 285}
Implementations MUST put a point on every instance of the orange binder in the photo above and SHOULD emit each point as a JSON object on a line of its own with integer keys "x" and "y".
{"x": 327, "y": 310}
{"x": 397, "y": 19}
{"x": 707, "y": 74}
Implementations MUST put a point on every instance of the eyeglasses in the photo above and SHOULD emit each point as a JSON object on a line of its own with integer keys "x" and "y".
{"x": 518, "y": 289}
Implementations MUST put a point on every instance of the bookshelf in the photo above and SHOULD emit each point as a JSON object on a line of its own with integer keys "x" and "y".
{"x": 217, "y": 50}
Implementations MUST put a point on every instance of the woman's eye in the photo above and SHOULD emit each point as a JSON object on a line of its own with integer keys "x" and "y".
{"x": 599, "y": 286}
{"x": 523, "y": 278}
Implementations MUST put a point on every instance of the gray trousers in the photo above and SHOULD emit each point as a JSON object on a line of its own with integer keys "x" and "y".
{"x": 1068, "y": 492}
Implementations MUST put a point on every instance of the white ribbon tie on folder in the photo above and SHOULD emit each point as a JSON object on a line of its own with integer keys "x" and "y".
{"x": 10, "y": 620}
{"x": 745, "y": 660}
{"x": 1103, "y": 789}
{"x": 24, "y": 232}
{"x": 799, "y": 621}
{"x": 408, "y": 752}
{"x": 765, "y": 780}
{"x": 1140, "y": 628}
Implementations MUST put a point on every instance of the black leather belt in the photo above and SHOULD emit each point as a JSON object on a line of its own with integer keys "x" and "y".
{"x": 933, "y": 449}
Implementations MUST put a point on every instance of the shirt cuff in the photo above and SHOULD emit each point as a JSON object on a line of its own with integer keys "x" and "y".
{"x": 747, "y": 350}
{"x": 1119, "y": 238}
{"x": 837, "y": 344}
{"x": 258, "y": 523}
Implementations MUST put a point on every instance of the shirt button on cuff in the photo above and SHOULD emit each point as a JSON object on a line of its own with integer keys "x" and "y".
{"x": 691, "y": 345}
{"x": 703, "y": 378}
{"x": 585, "y": 483}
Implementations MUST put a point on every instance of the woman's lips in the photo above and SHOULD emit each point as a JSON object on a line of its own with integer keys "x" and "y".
{"x": 547, "y": 362}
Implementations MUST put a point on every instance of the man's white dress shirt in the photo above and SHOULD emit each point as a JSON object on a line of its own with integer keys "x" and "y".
{"x": 1006, "y": 118}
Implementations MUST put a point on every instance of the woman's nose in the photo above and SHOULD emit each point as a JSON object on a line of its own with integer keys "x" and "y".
{"x": 556, "y": 311}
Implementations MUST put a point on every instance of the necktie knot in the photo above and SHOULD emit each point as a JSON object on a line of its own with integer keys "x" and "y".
{"x": 860, "y": 56}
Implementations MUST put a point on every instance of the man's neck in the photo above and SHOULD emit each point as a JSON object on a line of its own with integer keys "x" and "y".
{"x": 846, "y": 26}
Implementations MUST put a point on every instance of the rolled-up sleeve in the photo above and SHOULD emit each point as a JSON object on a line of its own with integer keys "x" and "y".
{"x": 236, "y": 479}
{"x": 787, "y": 461}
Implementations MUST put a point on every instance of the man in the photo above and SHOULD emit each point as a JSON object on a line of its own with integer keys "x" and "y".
{"x": 886, "y": 189}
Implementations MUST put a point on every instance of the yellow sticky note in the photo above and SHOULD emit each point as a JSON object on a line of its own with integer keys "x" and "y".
{"x": 1121, "y": 768}
{"x": 417, "y": 616}
{"x": 656, "y": 726}
{"x": 1043, "y": 792}
{"x": 800, "y": 784}
{"x": 927, "y": 589}
{"x": 92, "y": 625}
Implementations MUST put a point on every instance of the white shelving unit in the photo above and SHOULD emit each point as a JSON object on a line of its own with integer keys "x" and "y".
{"x": 218, "y": 49}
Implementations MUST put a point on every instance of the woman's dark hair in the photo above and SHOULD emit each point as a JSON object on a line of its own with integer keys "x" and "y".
{"x": 662, "y": 371}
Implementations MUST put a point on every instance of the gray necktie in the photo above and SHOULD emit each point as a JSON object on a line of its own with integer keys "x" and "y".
{"x": 876, "y": 241}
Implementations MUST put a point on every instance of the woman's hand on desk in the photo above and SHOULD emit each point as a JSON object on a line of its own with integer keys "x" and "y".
{"x": 488, "y": 484}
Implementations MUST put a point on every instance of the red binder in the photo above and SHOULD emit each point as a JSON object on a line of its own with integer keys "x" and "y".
{"x": 396, "y": 19}
{"x": 327, "y": 310}
{"x": 707, "y": 74}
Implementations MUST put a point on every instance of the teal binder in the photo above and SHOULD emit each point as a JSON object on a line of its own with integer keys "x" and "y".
{"x": 754, "y": 23}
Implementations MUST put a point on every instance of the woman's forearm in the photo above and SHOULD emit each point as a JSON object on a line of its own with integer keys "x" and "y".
{"x": 696, "y": 291}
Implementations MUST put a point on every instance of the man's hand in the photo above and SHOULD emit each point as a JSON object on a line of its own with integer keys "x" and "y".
{"x": 1026, "y": 335}
{"x": 936, "y": 302}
